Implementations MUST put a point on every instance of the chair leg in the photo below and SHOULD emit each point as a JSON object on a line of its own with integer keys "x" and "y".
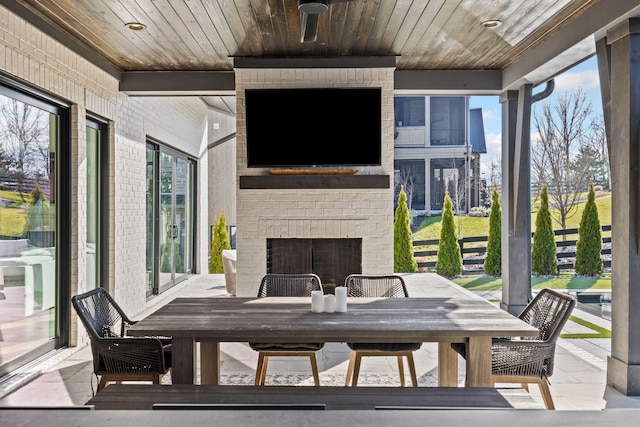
{"x": 259, "y": 369}
{"x": 401, "y": 370}
{"x": 412, "y": 369}
{"x": 356, "y": 369}
{"x": 103, "y": 382}
{"x": 352, "y": 361}
{"x": 546, "y": 393}
{"x": 314, "y": 369}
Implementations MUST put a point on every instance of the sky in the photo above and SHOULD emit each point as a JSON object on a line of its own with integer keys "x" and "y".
{"x": 583, "y": 75}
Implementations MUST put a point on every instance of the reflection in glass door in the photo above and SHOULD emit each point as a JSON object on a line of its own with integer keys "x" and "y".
{"x": 174, "y": 229}
{"x": 30, "y": 143}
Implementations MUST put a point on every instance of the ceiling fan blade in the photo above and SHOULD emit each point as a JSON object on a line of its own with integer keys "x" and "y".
{"x": 309, "y": 27}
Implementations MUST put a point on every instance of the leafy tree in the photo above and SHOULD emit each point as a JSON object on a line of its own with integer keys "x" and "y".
{"x": 493, "y": 260}
{"x": 589, "y": 247}
{"x": 220, "y": 241}
{"x": 543, "y": 252}
{"x": 403, "y": 260}
{"x": 449, "y": 263}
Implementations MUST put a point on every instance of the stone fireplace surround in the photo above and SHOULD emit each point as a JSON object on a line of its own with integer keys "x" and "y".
{"x": 319, "y": 207}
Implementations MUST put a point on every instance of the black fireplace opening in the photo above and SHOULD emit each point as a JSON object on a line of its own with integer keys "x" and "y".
{"x": 331, "y": 259}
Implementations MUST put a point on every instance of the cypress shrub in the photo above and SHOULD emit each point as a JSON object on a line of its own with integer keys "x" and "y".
{"x": 493, "y": 260}
{"x": 403, "y": 260}
{"x": 589, "y": 247}
{"x": 543, "y": 252}
{"x": 449, "y": 263}
{"x": 219, "y": 242}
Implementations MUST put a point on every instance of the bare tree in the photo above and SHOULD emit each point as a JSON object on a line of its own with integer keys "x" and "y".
{"x": 407, "y": 179}
{"x": 559, "y": 156}
{"x": 495, "y": 171}
{"x": 599, "y": 142}
{"x": 25, "y": 144}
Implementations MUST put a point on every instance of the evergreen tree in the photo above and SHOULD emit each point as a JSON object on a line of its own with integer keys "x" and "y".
{"x": 219, "y": 242}
{"x": 493, "y": 260}
{"x": 403, "y": 260}
{"x": 449, "y": 263}
{"x": 543, "y": 252}
{"x": 589, "y": 247}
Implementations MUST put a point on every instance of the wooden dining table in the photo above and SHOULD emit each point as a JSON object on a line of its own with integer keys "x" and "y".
{"x": 210, "y": 321}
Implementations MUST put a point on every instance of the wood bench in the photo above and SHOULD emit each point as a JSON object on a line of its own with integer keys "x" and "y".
{"x": 142, "y": 396}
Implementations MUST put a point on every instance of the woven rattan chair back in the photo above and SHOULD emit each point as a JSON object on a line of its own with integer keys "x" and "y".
{"x": 379, "y": 286}
{"x": 117, "y": 357}
{"x": 548, "y": 311}
{"x": 388, "y": 286}
{"x": 289, "y": 285}
{"x": 100, "y": 314}
{"x": 531, "y": 359}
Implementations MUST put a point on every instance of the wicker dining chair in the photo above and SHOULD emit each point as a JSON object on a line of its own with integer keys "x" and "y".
{"x": 530, "y": 360}
{"x": 287, "y": 285}
{"x": 390, "y": 286}
{"x": 116, "y": 356}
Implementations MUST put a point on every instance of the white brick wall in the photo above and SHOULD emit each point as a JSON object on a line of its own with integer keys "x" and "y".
{"x": 28, "y": 55}
{"x": 314, "y": 213}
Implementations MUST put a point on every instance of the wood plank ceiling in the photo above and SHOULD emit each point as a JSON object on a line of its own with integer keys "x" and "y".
{"x": 207, "y": 34}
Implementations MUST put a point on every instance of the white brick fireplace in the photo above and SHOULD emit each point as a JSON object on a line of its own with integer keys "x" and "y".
{"x": 361, "y": 213}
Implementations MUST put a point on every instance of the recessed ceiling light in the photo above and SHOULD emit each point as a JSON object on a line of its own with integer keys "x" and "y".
{"x": 492, "y": 23}
{"x": 135, "y": 26}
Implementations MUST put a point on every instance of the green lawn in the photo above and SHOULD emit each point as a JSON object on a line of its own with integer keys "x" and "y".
{"x": 563, "y": 281}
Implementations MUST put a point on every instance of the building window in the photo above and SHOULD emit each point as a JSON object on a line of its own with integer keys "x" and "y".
{"x": 409, "y": 110}
{"x": 447, "y": 120}
{"x": 410, "y": 174}
{"x": 448, "y": 175}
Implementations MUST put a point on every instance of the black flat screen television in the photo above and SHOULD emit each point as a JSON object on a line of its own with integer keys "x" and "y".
{"x": 315, "y": 127}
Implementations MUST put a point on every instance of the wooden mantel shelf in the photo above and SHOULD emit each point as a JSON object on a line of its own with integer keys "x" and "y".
{"x": 281, "y": 182}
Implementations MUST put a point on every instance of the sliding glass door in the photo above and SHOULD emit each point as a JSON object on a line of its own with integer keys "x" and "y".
{"x": 170, "y": 231}
{"x": 32, "y": 132}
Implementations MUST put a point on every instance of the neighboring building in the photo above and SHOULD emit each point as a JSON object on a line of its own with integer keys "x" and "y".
{"x": 438, "y": 142}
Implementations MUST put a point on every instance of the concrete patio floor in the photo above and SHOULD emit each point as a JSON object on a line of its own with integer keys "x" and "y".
{"x": 578, "y": 383}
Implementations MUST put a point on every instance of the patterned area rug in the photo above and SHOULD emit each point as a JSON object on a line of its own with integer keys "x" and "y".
{"x": 326, "y": 379}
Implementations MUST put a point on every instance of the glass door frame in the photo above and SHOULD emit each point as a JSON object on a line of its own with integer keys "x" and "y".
{"x": 60, "y": 162}
{"x": 102, "y": 246}
{"x": 189, "y": 218}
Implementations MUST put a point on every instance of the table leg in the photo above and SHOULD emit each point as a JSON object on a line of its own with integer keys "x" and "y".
{"x": 183, "y": 360}
{"x": 447, "y": 365}
{"x": 210, "y": 362}
{"x": 479, "y": 362}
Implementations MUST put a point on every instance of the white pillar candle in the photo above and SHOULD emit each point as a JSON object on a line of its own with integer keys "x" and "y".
{"x": 341, "y": 299}
{"x": 317, "y": 301}
{"x": 329, "y": 303}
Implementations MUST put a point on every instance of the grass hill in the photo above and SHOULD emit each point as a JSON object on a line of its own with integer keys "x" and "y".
{"x": 468, "y": 226}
